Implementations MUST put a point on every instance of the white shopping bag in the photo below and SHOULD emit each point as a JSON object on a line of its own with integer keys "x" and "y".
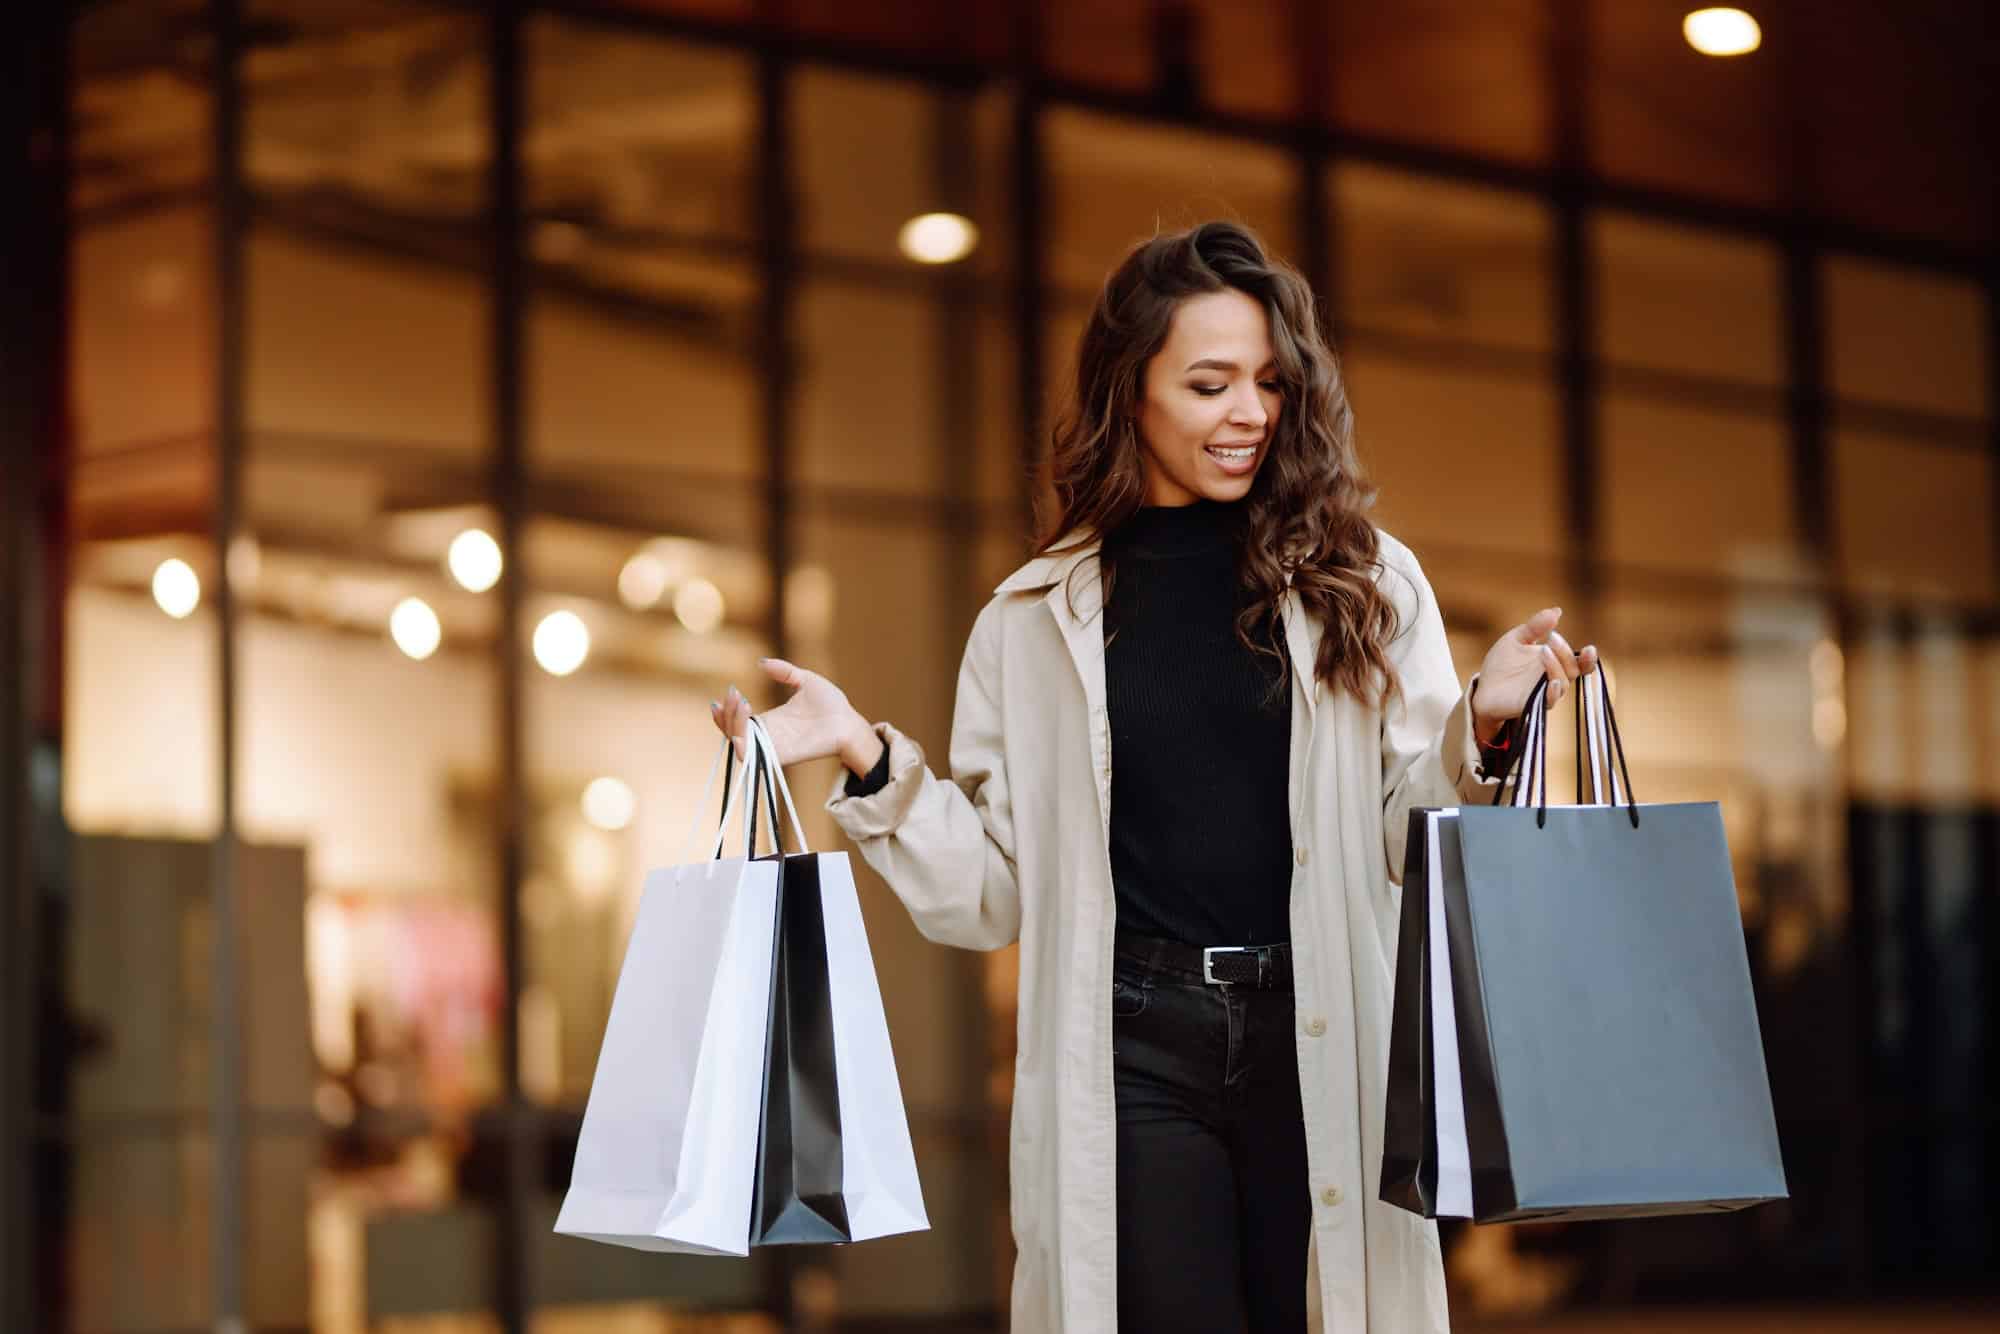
{"x": 687, "y": 1141}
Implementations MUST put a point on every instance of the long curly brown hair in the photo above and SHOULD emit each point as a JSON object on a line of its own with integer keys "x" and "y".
{"x": 1306, "y": 509}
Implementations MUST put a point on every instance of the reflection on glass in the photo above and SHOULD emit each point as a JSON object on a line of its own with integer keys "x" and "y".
{"x": 1914, "y": 518}
{"x": 1113, "y": 182}
{"x": 1693, "y": 489}
{"x": 1672, "y": 298}
{"x": 1408, "y": 72}
{"x": 1907, "y": 339}
{"x": 143, "y": 365}
{"x": 1446, "y": 447}
{"x": 632, "y": 137}
{"x": 368, "y": 116}
{"x": 127, "y": 1040}
{"x": 141, "y": 108}
{"x": 1238, "y": 57}
{"x": 874, "y": 155}
{"x": 1427, "y": 258}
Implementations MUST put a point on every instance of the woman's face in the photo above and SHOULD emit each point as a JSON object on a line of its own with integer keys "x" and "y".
{"x": 1210, "y": 402}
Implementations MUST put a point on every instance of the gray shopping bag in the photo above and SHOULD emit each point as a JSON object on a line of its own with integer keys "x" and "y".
{"x": 1574, "y": 1034}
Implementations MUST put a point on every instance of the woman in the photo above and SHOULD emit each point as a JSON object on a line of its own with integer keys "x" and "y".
{"x": 1208, "y": 932}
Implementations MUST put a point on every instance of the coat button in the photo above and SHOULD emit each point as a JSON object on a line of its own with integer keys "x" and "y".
{"x": 1330, "y": 1196}
{"x": 1301, "y": 855}
{"x": 1315, "y": 1027}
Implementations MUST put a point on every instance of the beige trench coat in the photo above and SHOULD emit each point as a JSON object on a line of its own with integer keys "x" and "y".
{"x": 1016, "y": 845}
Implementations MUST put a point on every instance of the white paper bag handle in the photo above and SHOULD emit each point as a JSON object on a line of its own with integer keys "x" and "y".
{"x": 741, "y": 795}
{"x": 707, "y": 791}
{"x": 763, "y": 742}
{"x": 1531, "y": 737}
{"x": 1593, "y": 695}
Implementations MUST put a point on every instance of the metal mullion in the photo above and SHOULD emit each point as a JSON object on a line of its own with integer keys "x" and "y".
{"x": 1312, "y": 32}
{"x": 231, "y": 235}
{"x": 30, "y": 451}
{"x": 777, "y": 253}
{"x": 1575, "y": 305}
{"x": 515, "y": 1245}
{"x": 1030, "y": 237}
{"x": 1993, "y": 403}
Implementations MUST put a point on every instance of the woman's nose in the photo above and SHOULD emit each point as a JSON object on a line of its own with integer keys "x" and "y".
{"x": 1247, "y": 408}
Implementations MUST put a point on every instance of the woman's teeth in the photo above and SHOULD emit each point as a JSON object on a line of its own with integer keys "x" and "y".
{"x": 1233, "y": 455}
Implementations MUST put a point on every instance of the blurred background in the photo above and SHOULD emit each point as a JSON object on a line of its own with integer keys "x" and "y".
{"x": 414, "y": 413}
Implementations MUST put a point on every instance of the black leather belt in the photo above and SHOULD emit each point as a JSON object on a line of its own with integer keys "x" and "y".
{"x": 1257, "y": 967}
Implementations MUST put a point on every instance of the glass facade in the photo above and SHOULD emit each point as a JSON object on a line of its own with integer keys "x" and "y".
{"x": 459, "y": 397}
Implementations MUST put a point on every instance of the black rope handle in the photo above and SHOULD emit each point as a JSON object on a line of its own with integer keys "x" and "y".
{"x": 1533, "y": 763}
{"x": 1520, "y": 763}
{"x": 1618, "y": 744}
{"x": 766, "y": 785}
{"x": 763, "y": 787}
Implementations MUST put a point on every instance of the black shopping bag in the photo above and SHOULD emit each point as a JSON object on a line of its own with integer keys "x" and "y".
{"x": 1574, "y": 1034}
{"x": 797, "y": 1196}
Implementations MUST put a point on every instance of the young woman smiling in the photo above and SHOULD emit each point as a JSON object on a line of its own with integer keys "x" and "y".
{"x": 1208, "y": 931}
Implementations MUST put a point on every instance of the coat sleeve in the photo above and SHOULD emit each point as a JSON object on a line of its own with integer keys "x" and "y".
{"x": 946, "y": 848}
{"x": 1430, "y": 754}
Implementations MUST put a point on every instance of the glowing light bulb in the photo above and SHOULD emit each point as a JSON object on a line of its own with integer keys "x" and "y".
{"x": 643, "y": 581}
{"x": 1722, "y": 32}
{"x": 562, "y": 642}
{"x": 608, "y": 803}
{"x": 938, "y": 238}
{"x": 474, "y": 560}
{"x": 698, "y": 605}
{"x": 414, "y": 627}
{"x": 176, "y": 588}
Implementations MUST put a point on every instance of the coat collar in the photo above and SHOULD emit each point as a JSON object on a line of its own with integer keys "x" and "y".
{"x": 1076, "y": 602}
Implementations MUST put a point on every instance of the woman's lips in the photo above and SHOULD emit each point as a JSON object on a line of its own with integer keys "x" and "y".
{"x": 1234, "y": 460}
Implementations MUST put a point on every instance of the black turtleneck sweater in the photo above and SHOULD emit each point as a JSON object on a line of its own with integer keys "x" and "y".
{"x": 1201, "y": 837}
{"x": 1201, "y": 843}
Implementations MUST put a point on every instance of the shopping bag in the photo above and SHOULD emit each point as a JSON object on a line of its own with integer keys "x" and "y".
{"x": 1574, "y": 1033}
{"x": 746, "y": 1091}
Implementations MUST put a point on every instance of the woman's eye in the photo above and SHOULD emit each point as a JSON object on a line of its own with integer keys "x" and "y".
{"x": 1270, "y": 386}
{"x": 1208, "y": 390}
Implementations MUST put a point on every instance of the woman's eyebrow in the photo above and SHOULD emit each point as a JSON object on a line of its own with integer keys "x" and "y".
{"x": 1216, "y": 364}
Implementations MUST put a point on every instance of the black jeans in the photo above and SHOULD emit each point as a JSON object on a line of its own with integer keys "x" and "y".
{"x": 1214, "y": 1204}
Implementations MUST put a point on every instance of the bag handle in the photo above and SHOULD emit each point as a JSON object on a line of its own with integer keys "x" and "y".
{"x": 1595, "y": 770}
{"x": 1532, "y": 784}
{"x": 768, "y": 751}
{"x": 708, "y": 790}
{"x": 1520, "y": 770}
{"x": 734, "y": 795}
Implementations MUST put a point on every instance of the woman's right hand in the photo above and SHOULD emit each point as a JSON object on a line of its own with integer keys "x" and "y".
{"x": 817, "y": 721}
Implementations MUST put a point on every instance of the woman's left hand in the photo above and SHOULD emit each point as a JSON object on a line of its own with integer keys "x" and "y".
{"x": 1521, "y": 657}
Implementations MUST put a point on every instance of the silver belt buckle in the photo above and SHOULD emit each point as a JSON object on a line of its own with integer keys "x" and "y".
{"x": 1208, "y": 962}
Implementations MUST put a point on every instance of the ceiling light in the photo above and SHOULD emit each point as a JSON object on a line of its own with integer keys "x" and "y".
{"x": 1722, "y": 32}
{"x": 608, "y": 803}
{"x": 414, "y": 627}
{"x": 643, "y": 581}
{"x": 177, "y": 588}
{"x": 562, "y": 642}
{"x": 938, "y": 238}
{"x": 474, "y": 560}
{"x": 698, "y": 604}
